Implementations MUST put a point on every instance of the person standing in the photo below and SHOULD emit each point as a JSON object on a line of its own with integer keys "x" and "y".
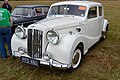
{"x": 5, "y": 31}
{"x": 7, "y": 6}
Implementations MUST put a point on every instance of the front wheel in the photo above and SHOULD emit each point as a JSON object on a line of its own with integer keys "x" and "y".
{"x": 77, "y": 58}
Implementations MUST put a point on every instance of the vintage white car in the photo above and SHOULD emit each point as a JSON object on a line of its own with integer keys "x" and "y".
{"x": 61, "y": 39}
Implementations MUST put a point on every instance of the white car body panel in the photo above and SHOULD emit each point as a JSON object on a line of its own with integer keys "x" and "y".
{"x": 69, "y": 38}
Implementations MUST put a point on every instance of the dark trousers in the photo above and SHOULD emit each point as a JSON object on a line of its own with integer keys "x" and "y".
{"x": 5, "y": 36}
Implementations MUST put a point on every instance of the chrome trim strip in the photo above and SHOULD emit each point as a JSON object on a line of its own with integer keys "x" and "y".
{"x": 55, "y": 65}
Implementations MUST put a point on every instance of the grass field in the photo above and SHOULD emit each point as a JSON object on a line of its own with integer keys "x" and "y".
{"x": 102, "y": 62}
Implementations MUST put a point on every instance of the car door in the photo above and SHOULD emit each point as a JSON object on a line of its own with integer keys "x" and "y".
{"x": 92, "y": 26}
{"x": 100, "y": 17}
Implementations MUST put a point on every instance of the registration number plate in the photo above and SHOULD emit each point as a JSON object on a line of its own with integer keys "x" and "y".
{"x": 30, "y": 61}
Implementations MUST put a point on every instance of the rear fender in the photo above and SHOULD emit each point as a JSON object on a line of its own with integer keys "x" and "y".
{"x": 105, "y": 25}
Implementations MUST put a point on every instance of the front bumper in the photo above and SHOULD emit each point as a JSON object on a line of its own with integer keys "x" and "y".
{"x": 50, "y": 62}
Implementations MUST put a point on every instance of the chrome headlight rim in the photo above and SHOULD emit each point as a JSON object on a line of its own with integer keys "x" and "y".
{"x": 56, "y": 38}
{"x": 20, "y": 29}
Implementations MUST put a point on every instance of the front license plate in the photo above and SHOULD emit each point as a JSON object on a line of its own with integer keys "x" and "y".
{"x": 30, "y": 61}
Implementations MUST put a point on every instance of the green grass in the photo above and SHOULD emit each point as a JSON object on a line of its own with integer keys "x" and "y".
{"x": 102, "y": 62}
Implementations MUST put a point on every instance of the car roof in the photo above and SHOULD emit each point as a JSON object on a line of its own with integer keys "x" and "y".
{"x": 85, "y": 3}
{"x": 31, "y": 6}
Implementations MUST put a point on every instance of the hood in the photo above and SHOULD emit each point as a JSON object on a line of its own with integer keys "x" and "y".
{"x": 60, "y": 22}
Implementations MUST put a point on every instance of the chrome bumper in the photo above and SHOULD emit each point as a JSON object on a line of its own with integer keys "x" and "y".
{"x": 50, "y": 62}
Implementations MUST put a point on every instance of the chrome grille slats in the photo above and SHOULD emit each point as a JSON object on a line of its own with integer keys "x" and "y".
{"x": 29, "y": 44}
{"x": 35, "y": 43}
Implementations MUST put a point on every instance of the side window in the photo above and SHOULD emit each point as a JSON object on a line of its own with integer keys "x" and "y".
{"x": 92, "y": 12}
{"x": 38, "y": 11}
{"x": 45, "y": 10}
{"x": 100, "y": 11}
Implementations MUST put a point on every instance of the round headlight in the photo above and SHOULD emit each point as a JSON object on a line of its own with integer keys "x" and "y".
{"x": 52, "y": 37}
{"x": 20, "y": 32}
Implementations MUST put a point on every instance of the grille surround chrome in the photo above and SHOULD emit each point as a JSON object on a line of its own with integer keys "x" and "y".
{"x": 34, "y": 43}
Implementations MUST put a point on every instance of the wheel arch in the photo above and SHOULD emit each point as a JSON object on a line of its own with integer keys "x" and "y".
{"x": 105, "y": 25}
{"x": 79, "y": 57}
{"x": 82, "y": 45}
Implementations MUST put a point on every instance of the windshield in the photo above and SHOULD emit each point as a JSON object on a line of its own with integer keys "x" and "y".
{"x": 22, "y": 12}
{"x": 68, "y": 10}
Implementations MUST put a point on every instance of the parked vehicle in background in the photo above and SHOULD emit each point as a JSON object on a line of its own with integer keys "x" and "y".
{"x": 61, "y": 39}
{"x": 28, "y": 14}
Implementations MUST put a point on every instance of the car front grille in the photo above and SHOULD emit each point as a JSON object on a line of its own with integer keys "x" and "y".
{"x": 34, "y": 43}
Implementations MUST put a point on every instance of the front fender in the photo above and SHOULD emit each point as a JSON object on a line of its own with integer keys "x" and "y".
{"x": 63, "y": 51}
{"x": 17, "y": 42}
{"x": 105, "y": 25}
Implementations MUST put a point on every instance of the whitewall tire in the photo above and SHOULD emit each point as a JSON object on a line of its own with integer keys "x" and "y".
{"x": 77, "y": 57}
